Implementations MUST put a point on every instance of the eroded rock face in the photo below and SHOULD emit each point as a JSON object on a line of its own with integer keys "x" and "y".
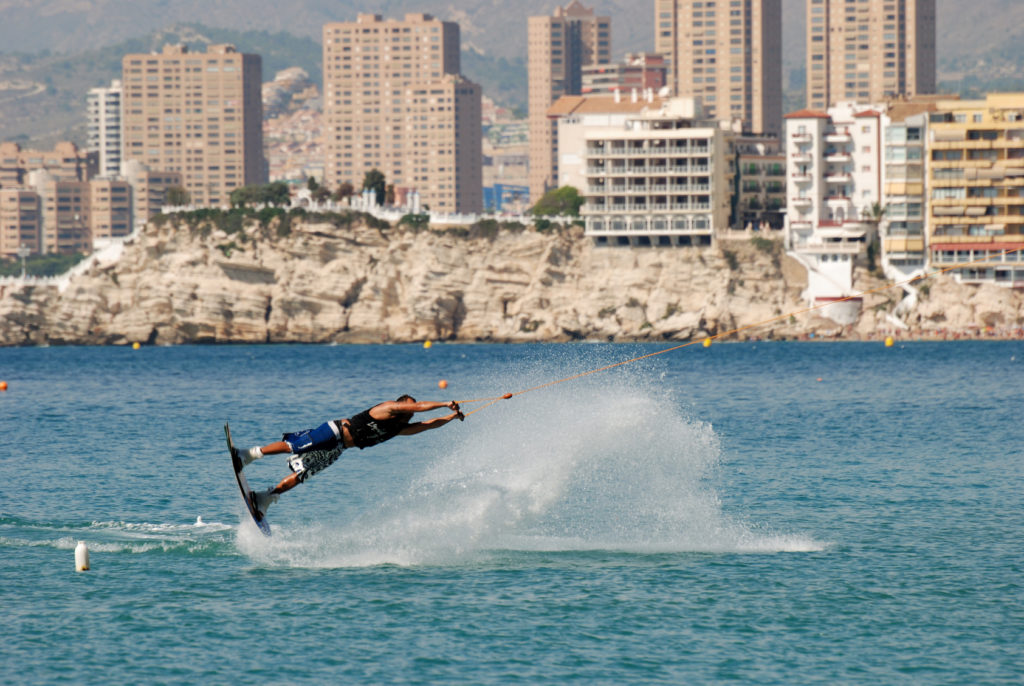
{"x": 321, "y": 282}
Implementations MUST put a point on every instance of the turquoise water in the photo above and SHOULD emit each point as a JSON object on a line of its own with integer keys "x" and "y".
{"x": 707, "y": 516}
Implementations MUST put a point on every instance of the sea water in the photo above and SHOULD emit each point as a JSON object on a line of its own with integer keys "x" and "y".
{"x": 770, "y": 513}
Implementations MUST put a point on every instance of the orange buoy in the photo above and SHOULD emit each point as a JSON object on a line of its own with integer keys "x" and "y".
{"x": 442, "y": 384}
{"x": 3, "y": 385}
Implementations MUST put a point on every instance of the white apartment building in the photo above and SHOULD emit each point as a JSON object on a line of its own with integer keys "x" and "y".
{"x": 652, "y": 172}
{"x": 103, "y": 132}
{"x": 834, "y": 193}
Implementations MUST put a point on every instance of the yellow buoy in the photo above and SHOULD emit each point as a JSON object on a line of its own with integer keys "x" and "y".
{"x": 889, "y": 341}
{"x": 426, "y": 345}
{"x": 707, "y": 342}
{"x": 136, "y": 346}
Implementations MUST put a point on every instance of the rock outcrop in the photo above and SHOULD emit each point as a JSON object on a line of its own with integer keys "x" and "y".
{"x": 344, "y": 279}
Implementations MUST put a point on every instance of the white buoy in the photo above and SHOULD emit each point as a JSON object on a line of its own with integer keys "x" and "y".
{"x": 81, "y": 557}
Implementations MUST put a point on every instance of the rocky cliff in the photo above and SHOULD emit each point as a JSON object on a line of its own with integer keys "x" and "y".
{"x": 344, "y": 278}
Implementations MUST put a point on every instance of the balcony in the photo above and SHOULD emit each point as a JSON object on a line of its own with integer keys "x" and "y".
{"x": 800, "y": 201}
{"x": 802, "y": 158}
{"x": 842, "y": 136}
{"x": 839, "y": 178}
{"x": 802, "y": 137}
{"x": 839, "y": 157}
{"x": 802, "y": 178}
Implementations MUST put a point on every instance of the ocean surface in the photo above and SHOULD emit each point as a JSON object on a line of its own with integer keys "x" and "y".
{"x": 769, "y": 513}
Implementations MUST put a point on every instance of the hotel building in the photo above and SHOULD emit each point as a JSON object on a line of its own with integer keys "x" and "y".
{"x": 976, "y": 188}
{"x": 558, "y": 47}
{"x": 652, "y": 172}
{"x": 394, "y": 101}
{"x": 728, "y": 55}
{"x": 197, "y": 114}
{"x": 869, "y": 50}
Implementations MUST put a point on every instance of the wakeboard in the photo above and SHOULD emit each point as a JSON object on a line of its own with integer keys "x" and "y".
{"x": 243, "y": 485}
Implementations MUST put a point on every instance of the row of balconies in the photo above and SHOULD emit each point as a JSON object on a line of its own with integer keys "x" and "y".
{"x": 662, "y": 150}
{"x": 647, "y": 171}
{"x": 597, "y": 189}
{"x": 593, "y": 207}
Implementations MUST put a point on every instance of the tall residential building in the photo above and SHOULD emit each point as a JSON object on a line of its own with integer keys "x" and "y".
{"x": 198, "y": 114}
{"x": 869, "y": 50}
{"x": 727, "y": 54}
{"x": 558, "y": 47}
{"x": 103, "y": 132}
{"x": 394, "y": 101}
{"x": 976, "y": 188}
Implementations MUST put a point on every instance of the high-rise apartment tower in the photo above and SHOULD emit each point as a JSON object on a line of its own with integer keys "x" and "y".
{"x": 103, "y": 115}
{"x": 394, "y": 101}
{"x": 199, "y": 114}
{"x": 728, "y": 55}
{"x": 869, "y": 50}
{"x": 558, "y": 48}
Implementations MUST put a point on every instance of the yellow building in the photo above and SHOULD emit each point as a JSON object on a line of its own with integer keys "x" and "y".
{"x": 976, "y": 188}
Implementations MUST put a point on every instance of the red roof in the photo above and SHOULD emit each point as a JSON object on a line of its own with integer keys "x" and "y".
{"x": 807, "y": 114}
{"x": 868, "y": 113}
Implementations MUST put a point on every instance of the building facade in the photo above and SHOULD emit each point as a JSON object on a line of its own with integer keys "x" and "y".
{"x": 394, "y": 101}
{"x": 103, "y": 127}
{"x": 869, "y": 50}
{"x": 558, "y": 47}
{"x": 20, "y": 221}
{"x": 197, "y": 114}
{"x": 149, "y": 190}
{"x": 726, "y": 54}
{"x": 634, "y": 73}
{"x": 65, "y": 162}
{"x": 64, "y": 213}
{"x": 110, "y": 209}
{"x": 975, "y": 182}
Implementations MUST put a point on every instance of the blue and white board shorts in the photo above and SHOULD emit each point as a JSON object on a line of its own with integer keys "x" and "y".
{"x": 315, "y": 449}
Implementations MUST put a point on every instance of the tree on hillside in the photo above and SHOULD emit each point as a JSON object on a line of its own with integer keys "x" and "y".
{"x": 276, "y": 194}
{"x": 177, "y": 196}
{"x": 345, "y": 191}
{"x": 376, "y": 182}
{"x": 559, "y": 201}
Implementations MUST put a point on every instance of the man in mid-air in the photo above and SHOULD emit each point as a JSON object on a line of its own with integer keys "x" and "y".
{"x": 313, "y": 450}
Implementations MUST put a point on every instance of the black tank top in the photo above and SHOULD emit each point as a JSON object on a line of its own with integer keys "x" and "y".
{"x": 367, "y": 431}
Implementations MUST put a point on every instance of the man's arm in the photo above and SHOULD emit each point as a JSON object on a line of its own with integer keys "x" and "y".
{"x": 391, "y": 408}
{"x": 427, "y": 425}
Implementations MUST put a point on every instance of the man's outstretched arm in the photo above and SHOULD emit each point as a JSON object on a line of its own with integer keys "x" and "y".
{"x": 435, "y": 423}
